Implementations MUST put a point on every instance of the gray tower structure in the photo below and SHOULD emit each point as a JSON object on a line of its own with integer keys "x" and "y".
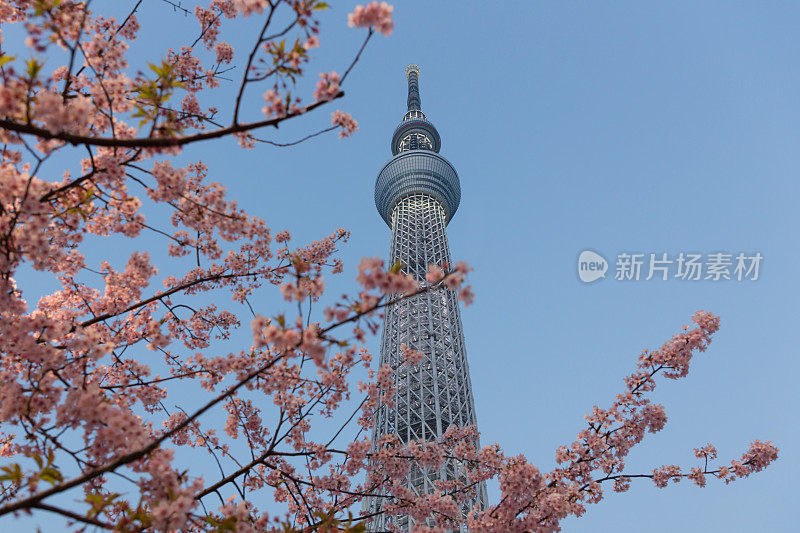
{"x": 417, "y": 193}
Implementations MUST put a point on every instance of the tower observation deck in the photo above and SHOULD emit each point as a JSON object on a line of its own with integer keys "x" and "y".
{"x": 417, "y": 193}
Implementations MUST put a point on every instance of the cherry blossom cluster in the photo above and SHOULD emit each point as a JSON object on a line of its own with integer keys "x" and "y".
{"x": 113, "y": 382}
{"x": 327, "y": 86}
{"x": 376, "y": 15}
{"x": 347, "y": 123}
{"x": 69, "y": 364}
{"x": 410, "y": 356}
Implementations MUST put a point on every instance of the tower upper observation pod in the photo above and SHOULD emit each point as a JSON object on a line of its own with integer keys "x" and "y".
{"x": 416, "y": 166}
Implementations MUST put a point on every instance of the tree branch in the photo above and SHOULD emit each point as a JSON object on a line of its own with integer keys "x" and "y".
{"x": 158, "y": 142}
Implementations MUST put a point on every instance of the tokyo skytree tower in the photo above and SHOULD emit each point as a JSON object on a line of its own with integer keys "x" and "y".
{"x": 417, "y": 193}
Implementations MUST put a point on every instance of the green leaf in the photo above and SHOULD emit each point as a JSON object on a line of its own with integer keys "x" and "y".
{"x": 99, "y": 502}
{"x": 5, "y": 59}
{"x": 33, "y": 67}
{"x": 13, "y": 473}
{"x": 160, "y": 71}
{"x": 321, "y": 5}
{"x": 51, "y": 475}
{"x": 43, "y": 6}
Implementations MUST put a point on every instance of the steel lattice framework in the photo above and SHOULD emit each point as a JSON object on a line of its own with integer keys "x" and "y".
{"x": 417, "y": 193}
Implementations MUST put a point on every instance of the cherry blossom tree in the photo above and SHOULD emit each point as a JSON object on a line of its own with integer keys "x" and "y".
{"x": 84, "y": 373}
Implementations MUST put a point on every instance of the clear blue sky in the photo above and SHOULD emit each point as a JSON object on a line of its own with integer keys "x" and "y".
{"x": 630, "y": 126}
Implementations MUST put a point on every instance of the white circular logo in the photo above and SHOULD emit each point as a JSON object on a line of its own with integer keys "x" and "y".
{"x": 591, "y": 266}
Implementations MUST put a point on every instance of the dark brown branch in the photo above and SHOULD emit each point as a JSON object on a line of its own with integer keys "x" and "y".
{"x": 358, "y": 55}
{"x": 74, "y": 516}
{"x": 158, "y": 142}
{"x": 160, "y": 295}
{"x": 250, "y": 63}
{"x": 176, "y": 7}
{"x": 307, "y": 137}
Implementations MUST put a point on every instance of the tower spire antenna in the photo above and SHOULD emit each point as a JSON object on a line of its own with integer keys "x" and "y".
{"x": 412, "y": 74}
{"x": 415, "y": 131}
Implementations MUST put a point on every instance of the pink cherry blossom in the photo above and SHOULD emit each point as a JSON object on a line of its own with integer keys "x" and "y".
{"x": 435, "y": 274}
{"x": 122, "y": 368}
{"x": 224, "y": 52}
{"x": 275, "y": 104}
{"x": 376, "y": 15}
{"x": 249, "y": 7}
{"x": 327, "y": 86}
{"x": 411, "y": 357}
{"x": 348, "y": 123}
